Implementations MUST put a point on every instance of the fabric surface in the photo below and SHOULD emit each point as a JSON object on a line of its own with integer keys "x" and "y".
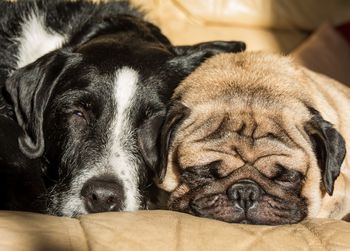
{"x": 326, "y": 52}
{"x": 163, "y": 230}
{"x": 26, "y": 231}
{"x": 270, "y": 25}
{"x": 270, "y": 14}
{"x": 184, "y": 23}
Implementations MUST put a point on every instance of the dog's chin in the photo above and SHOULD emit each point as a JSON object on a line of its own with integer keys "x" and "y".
{"x": 268, "y": 211}
{"x": 74, "y": 205}
{"x": 71, "y": 206}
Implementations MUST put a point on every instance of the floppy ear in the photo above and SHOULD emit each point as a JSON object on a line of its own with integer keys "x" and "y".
{"x": 211, "y": 48}
{"x": 30, "y": 89}
{"x": 329, "y": 147}
{"x": 148, "y": 137}
{"x": 176, "y": 114}
{"x": 191, "y": 56}
{"x": 188, "y": 58}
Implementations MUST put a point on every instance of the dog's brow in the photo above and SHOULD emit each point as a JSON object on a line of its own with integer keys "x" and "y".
{"x": 269, "y": 155}
{"x": 125, "y": 87}
{"x": 216, "y": 133}
{"x": 286, "y": 139}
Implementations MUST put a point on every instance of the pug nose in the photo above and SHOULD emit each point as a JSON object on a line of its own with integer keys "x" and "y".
{"x": 244, "y": 194}
{"x": 101, "y": 195}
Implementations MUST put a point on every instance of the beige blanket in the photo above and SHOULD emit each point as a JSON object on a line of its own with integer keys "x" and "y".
{"x": 163, "y": 231}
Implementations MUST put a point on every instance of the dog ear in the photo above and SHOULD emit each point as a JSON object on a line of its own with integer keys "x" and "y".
{"x": 30, "y": 89}
{"x": 211, "y": 48}
{"x": 148, "y": 137}
{"x": 188, "y": 58}
{"x": 175, "y": 115}
{"x": 329, "y": 147}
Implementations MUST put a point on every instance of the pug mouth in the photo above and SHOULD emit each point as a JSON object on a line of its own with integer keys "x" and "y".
{"x": 243, "y": 202}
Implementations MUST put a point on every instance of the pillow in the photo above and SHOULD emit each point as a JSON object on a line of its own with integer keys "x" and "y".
{"x": 162, "y": 231}
{"x": 326, "y": 51}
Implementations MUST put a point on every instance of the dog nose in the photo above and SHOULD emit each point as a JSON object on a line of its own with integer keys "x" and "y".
{"x": 244, "y": 194}
{"x": 102, "y": 195}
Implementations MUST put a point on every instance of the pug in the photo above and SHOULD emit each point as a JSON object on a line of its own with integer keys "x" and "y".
{"x": 254, "y": 138}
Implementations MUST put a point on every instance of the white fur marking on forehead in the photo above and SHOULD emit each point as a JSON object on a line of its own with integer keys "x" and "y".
{"x": 35, "y": 40}
{"x": 122, "y": 159}
{"x": 119, "y": 159}
{"x": 125, "y": 87}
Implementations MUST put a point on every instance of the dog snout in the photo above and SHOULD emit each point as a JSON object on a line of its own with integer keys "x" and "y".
{"x": 244, "y": 194}
{"x": 102, "y": 195}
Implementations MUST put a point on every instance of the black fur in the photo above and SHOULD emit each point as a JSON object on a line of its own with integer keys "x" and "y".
{"x": 177, "y": 112}
{"x": 329, "y": 147}
{"x": 21, "y": 184}
{"x": 64, "y": 101}
{"x": 69, "y": 18}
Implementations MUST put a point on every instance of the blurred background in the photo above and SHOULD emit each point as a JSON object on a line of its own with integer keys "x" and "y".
{"x": 315, "y": 32}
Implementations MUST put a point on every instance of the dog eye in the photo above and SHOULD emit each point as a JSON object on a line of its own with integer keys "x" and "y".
{"x": 79, "y": 117}
{"x": 196, "y": 175}
{"x": 201, "y": 174}
{"x": 214, "y": 169}
{"x": 287, "y": 176}
{"x": 79, "y": 114}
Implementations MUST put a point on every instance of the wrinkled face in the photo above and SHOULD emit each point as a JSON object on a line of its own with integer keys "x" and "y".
{"x": 243, "y": 143}
{"x": 245, "y": 166}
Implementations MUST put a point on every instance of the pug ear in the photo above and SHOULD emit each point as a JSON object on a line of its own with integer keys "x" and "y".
{"x": 30, "y": 89}
{"x": 176, "y": 114}
{"x": 211, "y": 48}
{"x": 329, "y": 147}
{"x": 188, "y": 58}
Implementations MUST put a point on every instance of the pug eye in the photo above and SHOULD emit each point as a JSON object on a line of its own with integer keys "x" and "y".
{"x": 196, "y": 175}
{"x": 285, "y": 175}
{"x": 214, "y": 168}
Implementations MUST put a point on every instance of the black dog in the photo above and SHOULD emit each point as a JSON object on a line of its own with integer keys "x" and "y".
{"x": 21, "y": 184}
{"x": 93, "y": 103}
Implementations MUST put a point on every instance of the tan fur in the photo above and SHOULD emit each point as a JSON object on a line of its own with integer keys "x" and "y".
{"x": 268, "y": 93}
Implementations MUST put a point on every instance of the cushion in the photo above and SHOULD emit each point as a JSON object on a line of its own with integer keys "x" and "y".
{"x": 326, "y": 52}
{"x": 272, "y": 14}
{"x": 163, "y": 230}
{"x": 184, "y": 22}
